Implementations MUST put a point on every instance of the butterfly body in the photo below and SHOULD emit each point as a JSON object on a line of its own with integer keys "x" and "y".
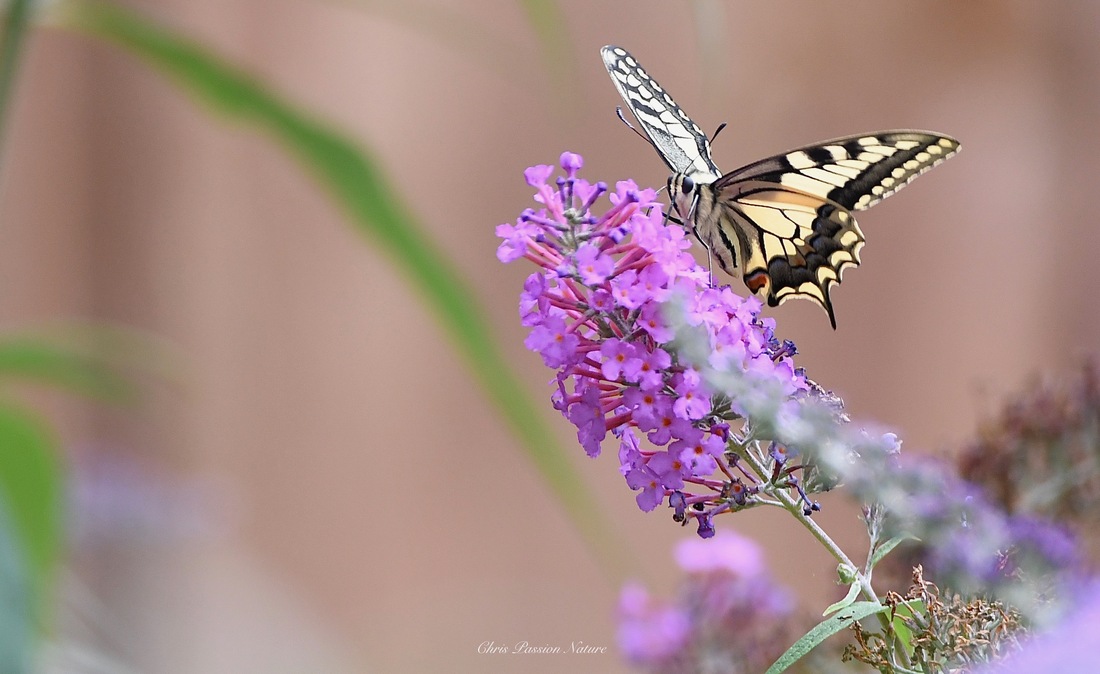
{"x": 786, "y": 222}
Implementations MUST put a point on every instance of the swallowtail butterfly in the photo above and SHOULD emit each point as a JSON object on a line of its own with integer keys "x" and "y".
{"x": 786, "y": 221}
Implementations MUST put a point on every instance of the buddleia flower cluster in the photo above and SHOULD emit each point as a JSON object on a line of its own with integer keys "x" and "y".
{"x": 728, "y": 614}
{"x": 598, "y": 312}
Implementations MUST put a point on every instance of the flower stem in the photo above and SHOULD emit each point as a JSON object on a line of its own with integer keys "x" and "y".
{"x": 794, "y": 506}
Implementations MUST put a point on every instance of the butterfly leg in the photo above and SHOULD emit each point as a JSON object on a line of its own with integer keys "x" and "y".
{"x": 710, "y": 255}
{"x": 710, "y": 266}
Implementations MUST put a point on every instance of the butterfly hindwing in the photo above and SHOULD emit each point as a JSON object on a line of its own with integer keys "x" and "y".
{"x": 681, "y": 143}
{"x": 787, "y": 243}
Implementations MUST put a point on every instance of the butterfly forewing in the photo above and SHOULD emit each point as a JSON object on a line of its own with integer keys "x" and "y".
{"x": 856, "y": 172}
{"x": 681, "y": 143}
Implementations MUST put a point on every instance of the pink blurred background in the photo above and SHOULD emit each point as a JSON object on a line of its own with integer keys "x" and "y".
{"x": 345, "y": 498}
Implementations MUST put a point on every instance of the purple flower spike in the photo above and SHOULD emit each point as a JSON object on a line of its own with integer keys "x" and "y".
{"x": 598, "y": 311}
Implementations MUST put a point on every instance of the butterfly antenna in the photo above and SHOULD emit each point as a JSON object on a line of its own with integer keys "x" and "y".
{"x": 622, "y": 118}
{"x": 717, "y": 131}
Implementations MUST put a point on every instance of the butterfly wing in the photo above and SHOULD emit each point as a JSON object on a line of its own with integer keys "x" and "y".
{"x": 681, "y": 143}
{"x": 786, "y": 221}
{"x": 787, "y": 243}
{"x": 856, "y": 172}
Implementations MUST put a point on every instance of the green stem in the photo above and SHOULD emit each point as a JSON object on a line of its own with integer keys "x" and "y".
{"x": 794, "y": 507}
{"x": 15, "y": 25}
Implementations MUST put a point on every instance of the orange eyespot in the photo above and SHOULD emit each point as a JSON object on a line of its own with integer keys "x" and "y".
{"x": 756, "y": 281}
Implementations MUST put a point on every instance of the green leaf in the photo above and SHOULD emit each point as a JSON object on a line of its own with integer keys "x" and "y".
{"x": 14, "y": 28}
{"x": 905, "y": 611}
{"x": 888, "y": 547}
{"x": 97, "y": 361}
{"x": 848, "y": 600}
{"x": 824, "y": 630}
{"x": 354, "y": 180}
{"x": 42, "y": 359}
{"x": 548, "y": 22}
{"x": 16, "y": 608}
{"x": 31, "y": 490}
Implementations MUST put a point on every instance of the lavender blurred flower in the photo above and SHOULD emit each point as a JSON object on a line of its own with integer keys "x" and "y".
{"x": 120, "y": 499}
{"x": 650, "y": 632}
{"x": 1041, "y": 454}
{"x": 1065, "y": 647}
{"x": 729, "y": 615}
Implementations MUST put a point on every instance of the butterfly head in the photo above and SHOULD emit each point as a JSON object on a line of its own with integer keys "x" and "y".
{"x": 682, "y": 191}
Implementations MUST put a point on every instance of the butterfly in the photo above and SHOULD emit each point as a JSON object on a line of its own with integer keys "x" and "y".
{"x": 786, "y": 221}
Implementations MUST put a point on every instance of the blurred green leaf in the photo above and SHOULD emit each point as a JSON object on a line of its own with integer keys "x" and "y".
{"x": 16, "y": 609}
{"x": 15, "y": 26}
{"x": 99, "y": 361}
{"x": 548, "y": 21}
{"x": 454, "y": 28}
{"x": 37, "y": 359}
{"x": 31, "y": 489}
{"x": 354, "y": 180}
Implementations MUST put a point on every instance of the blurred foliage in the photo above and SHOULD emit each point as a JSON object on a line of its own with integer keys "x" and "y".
{"x": 43, "y": 358}
{"x": 32, "y": 471}
{"x": 14, "y": 27}
{"x": 31, "y": 487}
{"x": 548, "y": 22}
{"x": 16, "y": 605}
{"x": 91, "y": 363}
{"x": 31, "y": 519}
